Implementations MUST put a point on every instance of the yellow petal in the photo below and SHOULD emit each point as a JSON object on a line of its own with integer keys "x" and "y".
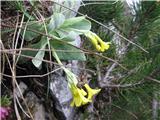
{"x": 91, "y": 91}
{"x": 92, "y": 38}
{"x": 72, "y": 103}
{"x": 78, "y": 102}
{"x": 83, "y": 98}
{"x": 78, "y": 96}
{"x": 83, "y": 92}
{"x": 107, "y": 45}
{"x": 99, "y": 44}
{"x": 98, "y": 47}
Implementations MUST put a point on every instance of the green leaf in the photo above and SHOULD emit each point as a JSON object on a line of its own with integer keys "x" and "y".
{"x": 37, "y": 60}
{"x": 66, "y": 51}
{"x": 69, "y": 29}
{"x": 62, "y": 35}
{"x": 33, "y": 25}
{"x": 31, "y": 53}
{"x": 76, "y": 24}
{"x": 67, "y": 36}
{"x": 56, "y": 20}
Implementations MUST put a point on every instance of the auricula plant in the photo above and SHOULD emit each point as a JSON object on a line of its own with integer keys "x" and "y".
{"x": 64, "y": 32}
{"x": 80, "y": 96}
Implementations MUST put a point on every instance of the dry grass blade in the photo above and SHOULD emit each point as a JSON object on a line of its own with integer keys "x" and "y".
{"x": 85, "y": 51}
{"x": 14, "y": 83}
{"x": 34, "y": 76}
{"x": 21, "y": 46}
{"x": 13, "y": 69}
{"x": 21, "y": 107}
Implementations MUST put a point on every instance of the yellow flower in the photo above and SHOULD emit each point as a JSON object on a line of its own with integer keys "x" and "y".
{"x": 78, "y": 96}
{"x": 98, "y": 42}
{"x": 91, "y": 91}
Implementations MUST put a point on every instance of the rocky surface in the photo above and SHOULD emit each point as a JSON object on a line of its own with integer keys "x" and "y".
{"x": 62, "y": 97}
{"x": 36, "y": 107}
{"x": 22, "y": 88}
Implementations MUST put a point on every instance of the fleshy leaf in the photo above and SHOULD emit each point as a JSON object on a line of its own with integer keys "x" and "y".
{"x": 71, "y": 36}
{"x": 76, "y": 24}
{"x": 37, "y": 60}
{"x": 56, "y": 20}
{"x": 33, "y": 25}
{"x": 31, "y": 53}
{"x": 66, "y": 51}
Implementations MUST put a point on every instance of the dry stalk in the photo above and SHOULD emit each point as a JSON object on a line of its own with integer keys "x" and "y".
{"x": 34, "y": 76}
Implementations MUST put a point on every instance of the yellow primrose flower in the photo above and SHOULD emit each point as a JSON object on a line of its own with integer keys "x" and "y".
{"x": 78, "y": 96}
{"x": 97, "y": 41}
{"x": 91, "y": 91}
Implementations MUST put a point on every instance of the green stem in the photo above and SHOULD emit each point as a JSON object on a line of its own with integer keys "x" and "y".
{"x": 57, "y": 58}
{"x": 70, "y": 76}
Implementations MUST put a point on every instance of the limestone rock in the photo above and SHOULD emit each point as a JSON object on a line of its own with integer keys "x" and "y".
{"x": 62, "y": 96}
{"x": 22, "y": 88}
{"x": 36, "y": 107}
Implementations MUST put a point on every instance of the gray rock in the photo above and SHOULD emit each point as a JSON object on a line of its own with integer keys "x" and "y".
{"x": 62, "y": 96}
{"x": 22, "y": 88}
{"x": 36, "y": 107}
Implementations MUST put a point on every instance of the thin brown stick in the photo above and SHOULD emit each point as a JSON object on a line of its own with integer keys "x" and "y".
{"x": 14, "y": 81}
{"x": 34, "y": 49}
{"x": 50, "y": 52}
{"x": 21, "y": 46}
{"x": 35, "y": 76}
{"x": 1, "y": 68}
{"x": 12, "y": 68}
{"x": 152, "y": 79}
{"x": 125, "y": 85}
{"x": 22, "y": 107}
{"x": 87, "y": 51}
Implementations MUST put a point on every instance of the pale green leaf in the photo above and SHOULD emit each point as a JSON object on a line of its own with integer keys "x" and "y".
{"x": 67, "y": 36}
{"x": 76, "y": 24}
{"x": 31, "y": 53}
{"x": 35, "y": 26}
{"x": 66, "y": 51}
{"x": 56, "y": 21}
{"x": 37, "y": 60}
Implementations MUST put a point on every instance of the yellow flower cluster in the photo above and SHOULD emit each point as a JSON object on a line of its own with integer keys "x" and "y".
{"x": 99, "y": 44}
{"x": 81, "y": 97}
